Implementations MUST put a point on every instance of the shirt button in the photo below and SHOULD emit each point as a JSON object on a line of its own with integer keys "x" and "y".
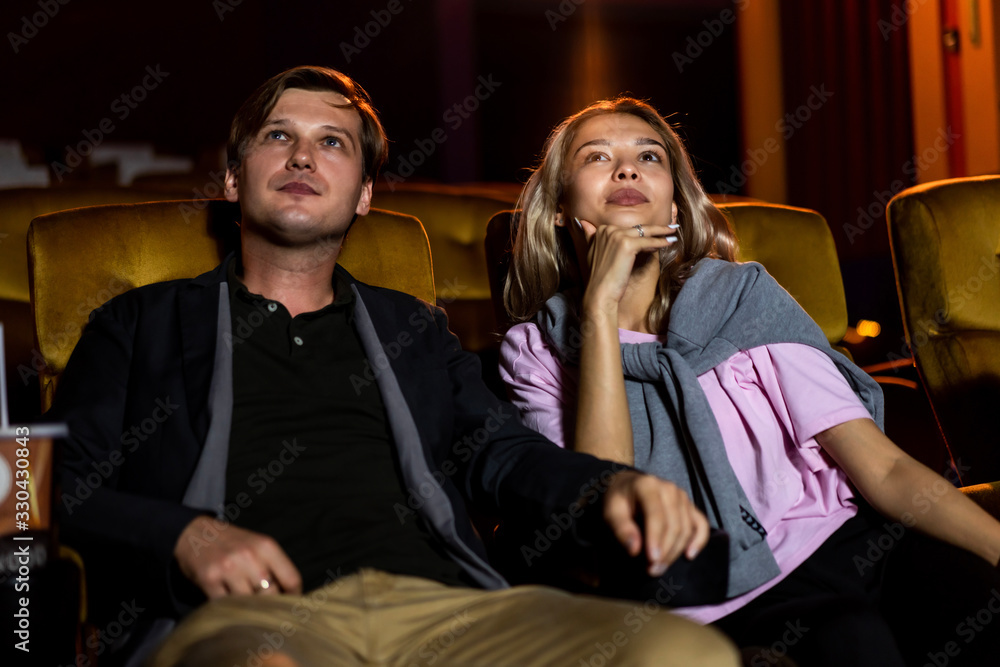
{"x": 298, "y": 341}
{"x": 272, "y": 306}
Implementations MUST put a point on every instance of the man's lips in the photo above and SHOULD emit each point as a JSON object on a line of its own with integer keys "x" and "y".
{"x": 298, "y": 188}
{"x": 627, "y": 197}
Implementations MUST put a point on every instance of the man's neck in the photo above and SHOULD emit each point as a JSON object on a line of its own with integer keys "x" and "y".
{"x": 301, "y": 279}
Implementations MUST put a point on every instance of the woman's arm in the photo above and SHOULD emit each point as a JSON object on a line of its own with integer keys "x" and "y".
{"x": 603, "y": 423}
{"x": 905, "y": 490}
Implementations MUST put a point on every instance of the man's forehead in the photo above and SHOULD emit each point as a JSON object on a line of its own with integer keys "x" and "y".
{"x": 299, "y": 100}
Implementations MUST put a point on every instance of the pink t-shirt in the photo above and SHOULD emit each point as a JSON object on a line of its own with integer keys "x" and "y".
{"x": 769, "y": 401}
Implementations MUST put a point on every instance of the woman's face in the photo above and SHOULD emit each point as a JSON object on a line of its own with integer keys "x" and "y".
{"x": 618, "y": 173}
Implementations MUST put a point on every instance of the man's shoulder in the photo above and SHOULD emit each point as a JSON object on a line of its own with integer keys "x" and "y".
{"x": 388, "y": 296}
{"x": 165, "y": 291}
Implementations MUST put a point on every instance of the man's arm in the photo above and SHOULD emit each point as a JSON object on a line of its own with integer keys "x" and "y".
{"x": 519, "y": 474}
{"x": 122, "y": 480}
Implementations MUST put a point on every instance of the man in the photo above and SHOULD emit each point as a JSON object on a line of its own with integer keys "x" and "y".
{"x": 352, "y": 492}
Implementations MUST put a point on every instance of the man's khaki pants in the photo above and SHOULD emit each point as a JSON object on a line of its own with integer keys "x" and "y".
{"x": 375, "y": 618}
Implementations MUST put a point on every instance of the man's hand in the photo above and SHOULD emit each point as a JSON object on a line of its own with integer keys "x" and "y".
{"x": 228, "y": 560}
{"x": 672, "y": 525}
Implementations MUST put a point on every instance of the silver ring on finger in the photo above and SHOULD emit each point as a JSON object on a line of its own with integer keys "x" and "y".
{"x": 263, "y": 585}
{"x": 641, "y": 232}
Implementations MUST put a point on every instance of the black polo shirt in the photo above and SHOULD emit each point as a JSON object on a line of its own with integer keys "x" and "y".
{"x": 311, "y": 452}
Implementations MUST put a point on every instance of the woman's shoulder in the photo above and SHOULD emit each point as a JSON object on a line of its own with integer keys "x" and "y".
{"x": 522, "y": 342}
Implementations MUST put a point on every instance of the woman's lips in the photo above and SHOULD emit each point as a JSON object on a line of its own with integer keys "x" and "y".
{"x": 298, "y": 188}
{"x": 627, "y": 197}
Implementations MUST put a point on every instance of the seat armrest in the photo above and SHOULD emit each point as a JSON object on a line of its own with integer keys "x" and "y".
{"x": 986, "y": 496}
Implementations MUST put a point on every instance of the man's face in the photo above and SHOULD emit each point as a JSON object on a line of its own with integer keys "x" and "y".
{"x": 301, "y": 177}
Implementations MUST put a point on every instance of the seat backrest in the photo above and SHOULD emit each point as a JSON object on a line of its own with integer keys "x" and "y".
{"x": 455, "y": 219}
{"x": 945, "y": 239}
{"x": 795, "y": 245}
{"x": 79, "y": 259}
{"x": 455, "y": 223}
{"x": 19, "y": 206}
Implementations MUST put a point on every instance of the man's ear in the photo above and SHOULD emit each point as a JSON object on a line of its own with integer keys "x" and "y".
{"x": 231, "y": 191}
{"x": 365, "y": 201}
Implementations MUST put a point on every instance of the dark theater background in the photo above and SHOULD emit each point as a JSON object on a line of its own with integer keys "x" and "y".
{"x": 804, "y": 103}
{"x": 825, "y": 104}
{"x": 830, "y": 105}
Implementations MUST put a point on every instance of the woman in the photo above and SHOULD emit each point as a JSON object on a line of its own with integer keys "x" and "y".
{"x": 641, "y": 340}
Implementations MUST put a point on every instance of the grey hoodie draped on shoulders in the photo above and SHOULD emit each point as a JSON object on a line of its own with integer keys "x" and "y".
{"x": 722, "y": 309}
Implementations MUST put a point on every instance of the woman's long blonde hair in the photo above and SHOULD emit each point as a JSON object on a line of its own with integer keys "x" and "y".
{"x": 543, "y": 261}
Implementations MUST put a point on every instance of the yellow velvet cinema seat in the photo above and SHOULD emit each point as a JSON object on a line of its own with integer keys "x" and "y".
{"x": 796, "y": 246}
{"x": 80, "y": 258}
{"x": 454, "y": 217}
{"x": 18, "y": 207}
{"x": 945, "y": 238}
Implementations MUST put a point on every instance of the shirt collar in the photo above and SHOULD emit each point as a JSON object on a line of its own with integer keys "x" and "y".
{"x": 343, "y": 294}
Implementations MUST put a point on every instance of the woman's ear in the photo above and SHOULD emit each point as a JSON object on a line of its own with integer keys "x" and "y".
{"x": 673, "y": 213}
{"x": 560, "y": 218}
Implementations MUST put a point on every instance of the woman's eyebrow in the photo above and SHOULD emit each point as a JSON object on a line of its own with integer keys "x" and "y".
{"x": 641, "y": 141}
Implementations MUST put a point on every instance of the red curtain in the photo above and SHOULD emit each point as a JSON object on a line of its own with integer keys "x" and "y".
{"x": 848, "y": 114}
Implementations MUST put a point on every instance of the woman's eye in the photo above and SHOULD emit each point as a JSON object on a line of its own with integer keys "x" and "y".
{"x": 650, "y": 156}
{"x": 594, "y": 157}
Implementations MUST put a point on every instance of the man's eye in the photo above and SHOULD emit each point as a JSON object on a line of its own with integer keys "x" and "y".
{"x": 275, "y": 134}
{"x": 332, "y": 141}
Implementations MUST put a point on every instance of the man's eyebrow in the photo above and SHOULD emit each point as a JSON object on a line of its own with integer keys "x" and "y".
{"x": 332, "y": 129}
{"x": 642, "y": 141}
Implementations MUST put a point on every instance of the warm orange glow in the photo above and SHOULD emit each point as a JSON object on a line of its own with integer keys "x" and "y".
{"x": 868, "y": 328}
{"x": 592, "y": 78}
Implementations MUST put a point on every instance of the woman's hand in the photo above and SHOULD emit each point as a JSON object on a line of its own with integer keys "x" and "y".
{"x": 611, "y": 256}
{"x": 603, "y": 423}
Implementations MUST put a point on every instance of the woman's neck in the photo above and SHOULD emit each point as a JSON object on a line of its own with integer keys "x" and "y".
{"x": 633, "y": 309}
